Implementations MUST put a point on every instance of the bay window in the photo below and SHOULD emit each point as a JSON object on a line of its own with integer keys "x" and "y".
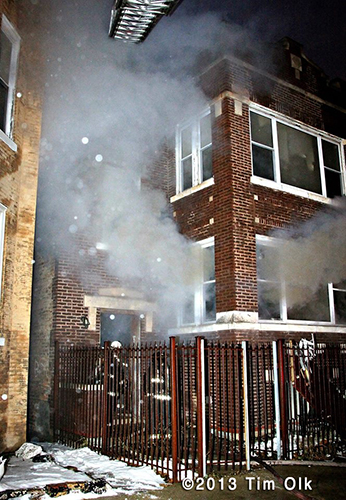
{"x": 294, "y": 156}
{"x": 292, "y": 301}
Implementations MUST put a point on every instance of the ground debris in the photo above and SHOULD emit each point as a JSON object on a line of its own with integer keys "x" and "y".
{"x": 98, "y": 486}
{"x": 35, "y": 492}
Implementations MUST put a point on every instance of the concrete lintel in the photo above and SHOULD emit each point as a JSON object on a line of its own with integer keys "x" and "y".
{"x": 120, "y": 303}
{"x": 122, "y": 292}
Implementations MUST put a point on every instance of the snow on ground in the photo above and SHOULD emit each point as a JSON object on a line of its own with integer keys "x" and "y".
{"x": 23, "y": 474}
{"x": 116, "y": 473}
{"x": 121, "y": 478}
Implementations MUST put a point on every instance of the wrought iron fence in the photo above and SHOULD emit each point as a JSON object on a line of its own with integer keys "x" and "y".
{"x": 202, "y": 407}
{"x": 224, "y": 406}
{"x": 261, "y": 401}
{"x": 313, "y": 401}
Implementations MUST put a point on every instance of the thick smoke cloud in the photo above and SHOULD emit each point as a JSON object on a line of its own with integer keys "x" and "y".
{"x": 108, "y": 107}
{"x": 310, "y": 255}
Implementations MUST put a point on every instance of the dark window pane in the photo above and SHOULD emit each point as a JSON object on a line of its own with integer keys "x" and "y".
{"x": 205, "y": 130}
{"x": 207, "y": 164}
{"x": 209, "y": 302}
{"x": 261, "y": 130}
{"x": 333, "y": 183}
{"x": 299, "y": 164}
{"x": 331, "y": 155}
{"x": 269, "y": 300}
{"x": 188, "y": 315}
{"x": 340, "y": 306}
{"x": 3, "y": 105}
{"x": 262, "y": 162}
{"x": 5, "y": 57}
{"x": 186, "y": 142}
{"x": 208, "y": 264}
{"x": 120, "y": 327}
{"x": 187, "y": 173}
{"x": 268, "y": 262}
{"x": 309, "y": 307}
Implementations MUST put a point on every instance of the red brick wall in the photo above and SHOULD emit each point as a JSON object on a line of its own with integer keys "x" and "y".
{"x": 238, "y": 217}
{"x": 75, "y": 277}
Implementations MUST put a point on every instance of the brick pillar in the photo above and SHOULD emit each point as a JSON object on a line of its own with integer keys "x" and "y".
{"x": 235, "y": 244}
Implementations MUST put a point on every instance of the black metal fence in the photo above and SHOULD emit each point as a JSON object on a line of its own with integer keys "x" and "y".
{"x": 202, "y": 407}
{"x": 313, "y": 402}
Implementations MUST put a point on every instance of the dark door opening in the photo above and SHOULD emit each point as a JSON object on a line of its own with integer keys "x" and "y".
{"x": 121, "y": 327}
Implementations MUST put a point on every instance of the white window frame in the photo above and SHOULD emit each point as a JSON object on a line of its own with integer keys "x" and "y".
{"x": 275, "y": 242}
{"x": 10, "y": 32}
{"x": 199, "y": 298}
{"x": 318, "y": 134}
{"x": 197, "y": 174}
{"x": 2, "y": 240}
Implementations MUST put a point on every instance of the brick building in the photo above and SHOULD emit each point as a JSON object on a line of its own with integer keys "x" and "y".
{"x": 20, "y": 122}
{"x": 266, "y": 152}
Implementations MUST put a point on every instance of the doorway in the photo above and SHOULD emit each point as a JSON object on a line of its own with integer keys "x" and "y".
{"x": 119, "y": 326}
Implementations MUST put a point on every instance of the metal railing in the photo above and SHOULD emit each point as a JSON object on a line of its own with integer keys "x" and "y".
{"x": 313, "y": 400}
{"x": 200, "y": 407}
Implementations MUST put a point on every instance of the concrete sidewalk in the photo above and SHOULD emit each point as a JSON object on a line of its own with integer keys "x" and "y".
{"x": 311, "y": 481}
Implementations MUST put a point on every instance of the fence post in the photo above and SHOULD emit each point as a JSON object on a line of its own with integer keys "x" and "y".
{"x": 246, "y": 405}
{"x": 201, "y": 452}
{"x": 104, "y": 408}
{"x": 56, "y": 389}
{"x": 277, "y": 399}
{"x": 283, "y": 402}
{"x": 174, "y": 408}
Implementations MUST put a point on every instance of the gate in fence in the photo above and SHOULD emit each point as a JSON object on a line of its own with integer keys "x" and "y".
{"x": 201, "y": 407}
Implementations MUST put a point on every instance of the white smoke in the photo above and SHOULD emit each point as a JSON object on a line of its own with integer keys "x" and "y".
{"x": 108, "y": 107}
{"x": 311, "y": 254}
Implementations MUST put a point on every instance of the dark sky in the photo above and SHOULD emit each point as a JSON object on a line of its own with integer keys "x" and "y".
{"x": 319, "y": 25}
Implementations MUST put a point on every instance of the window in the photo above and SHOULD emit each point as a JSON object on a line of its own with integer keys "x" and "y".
{"x": 2, "y": 237}
{"x": 200, "y": 305}
{"x": 278, "y": 300}
{"x": 295, "y": 157}
{"x": 194, "y": 152}
{"x": 9, "y": 49}
{"x": 339, "y": 300}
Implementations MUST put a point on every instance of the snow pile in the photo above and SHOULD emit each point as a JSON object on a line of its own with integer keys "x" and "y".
{"x": 116, "y": 473}
{"x": 28, "y": 450}
{"x": 25, "y": 474}
{"x": 87, "y": 466}
{"x": 2, "y": 466}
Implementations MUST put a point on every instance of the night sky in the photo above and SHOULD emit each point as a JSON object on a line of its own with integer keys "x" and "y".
{"x": 320, "y": 26}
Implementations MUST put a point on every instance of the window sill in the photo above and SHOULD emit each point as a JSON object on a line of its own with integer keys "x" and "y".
{"x": 300, "y": 326}
{"x": 259, "y": 181}
{"x": 4, "y": 138}
{"x": 194, "y": 189}
{"x": 270, "y": 326}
